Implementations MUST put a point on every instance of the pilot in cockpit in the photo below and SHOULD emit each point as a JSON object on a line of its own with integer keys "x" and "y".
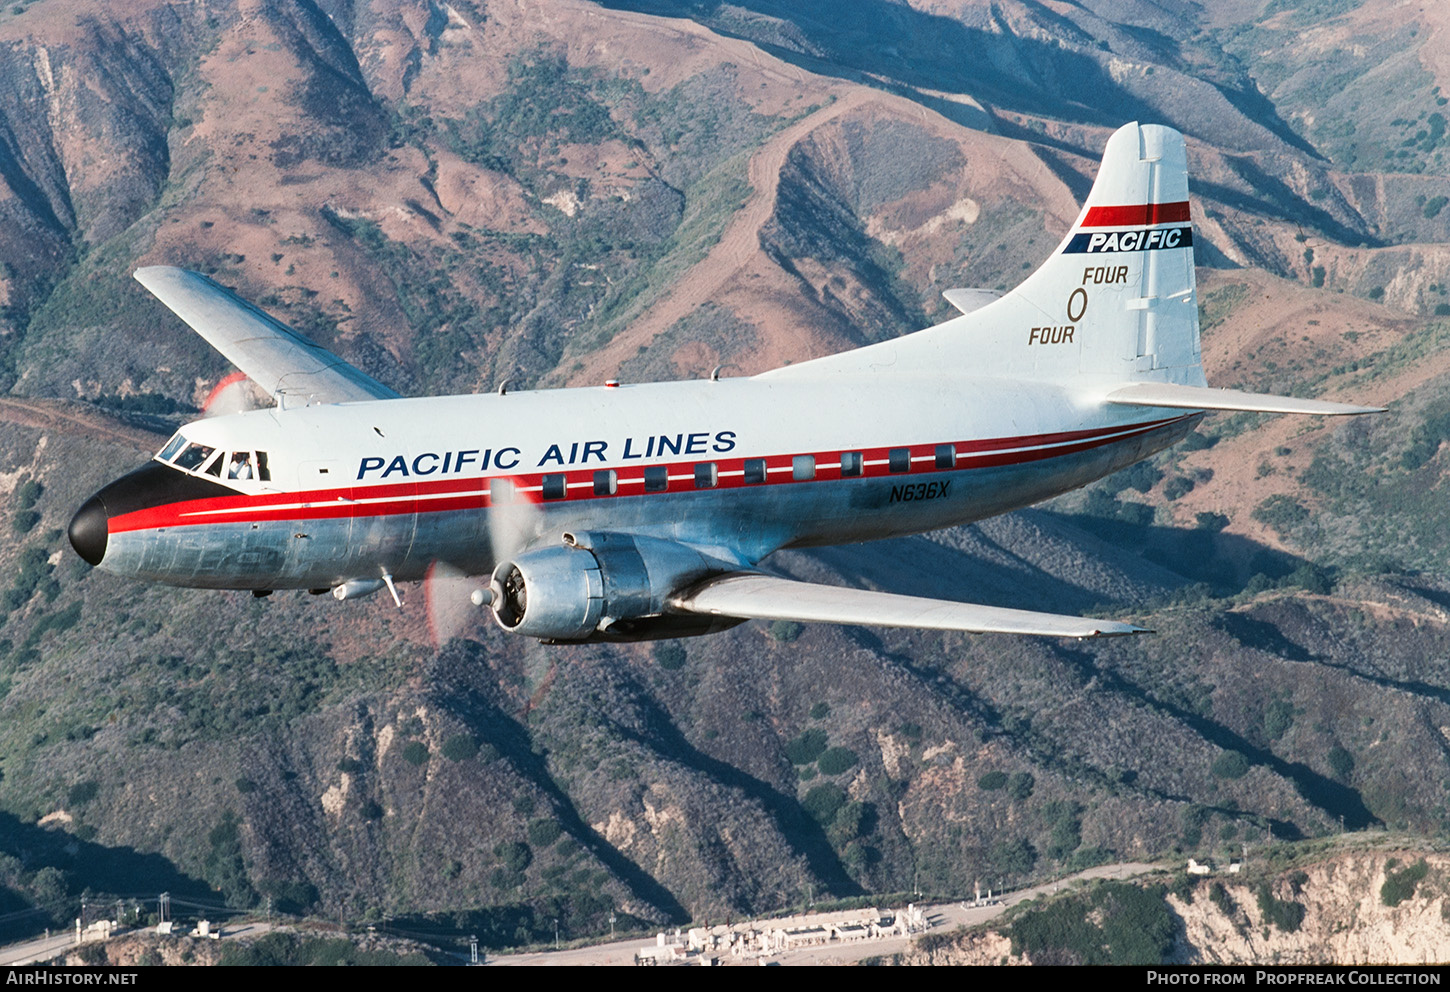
{"x": 241, "y": 466}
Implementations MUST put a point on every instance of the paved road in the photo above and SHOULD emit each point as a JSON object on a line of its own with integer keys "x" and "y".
{"x": 942, "y": 917}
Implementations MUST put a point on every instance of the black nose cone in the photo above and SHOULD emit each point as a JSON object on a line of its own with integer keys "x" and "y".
{"x": 89, "y": 530}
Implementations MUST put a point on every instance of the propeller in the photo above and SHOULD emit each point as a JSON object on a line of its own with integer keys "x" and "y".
{"x": 448, "y": 591}
{"x": 514, "y": 520}
{"x": 452, "y": 595}
{"x": 234, "y": 394}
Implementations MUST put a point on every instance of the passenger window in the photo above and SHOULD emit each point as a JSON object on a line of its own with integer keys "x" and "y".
{"x": 606, "y": 482}
{"x": 851, "y": 463}
{"x": 554, "y": 487}
{"x": 706, "y": 475}
{"x": 263, "y": 473}
{"x": 754, "y": 471}
{"x": 946, "y": 456}
{"x": 192, "y": 458}
{"x": 899, "y": 460}
{"x": 656, "y": 479}
{"x": 803, "y": 467}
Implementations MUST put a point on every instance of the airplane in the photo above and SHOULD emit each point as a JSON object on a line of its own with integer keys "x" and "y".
{"x": 637, "y": 511}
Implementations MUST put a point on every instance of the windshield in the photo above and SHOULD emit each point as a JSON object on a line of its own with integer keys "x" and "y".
{"x": 240, "y": 466}
{"x": 176, "y": 443}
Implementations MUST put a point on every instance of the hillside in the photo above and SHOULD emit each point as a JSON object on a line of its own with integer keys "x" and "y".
{"x": 454, "y": 195}
{"x": 1351, "y": 907}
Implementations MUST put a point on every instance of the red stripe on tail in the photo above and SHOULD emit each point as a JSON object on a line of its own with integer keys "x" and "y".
{"x": 1137, "y": 214}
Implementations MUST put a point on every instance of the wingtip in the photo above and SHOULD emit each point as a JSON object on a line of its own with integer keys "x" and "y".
{"x": 1116, "y": 629}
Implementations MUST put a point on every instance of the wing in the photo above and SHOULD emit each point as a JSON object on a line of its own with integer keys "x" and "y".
{"x": 274, "y": 356}
{"x": 1174, "y": 396}
{"x": 754, "y": 596}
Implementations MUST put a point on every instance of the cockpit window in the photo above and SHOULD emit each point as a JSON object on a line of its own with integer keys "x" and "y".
{"x": 192, "y": 458}
{"x": 176, "y": 443}
{"x": 240, "y": 465}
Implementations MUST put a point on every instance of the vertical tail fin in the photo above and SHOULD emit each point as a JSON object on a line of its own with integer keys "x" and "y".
{"x": 1115, "y": 301}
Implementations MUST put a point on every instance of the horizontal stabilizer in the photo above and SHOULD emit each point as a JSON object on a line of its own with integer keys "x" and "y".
{"x": 1167, "y": 394}
{"x": 969, "y": 300}
{"x": 274, "y": 356}
{"x": 754, "y": 596}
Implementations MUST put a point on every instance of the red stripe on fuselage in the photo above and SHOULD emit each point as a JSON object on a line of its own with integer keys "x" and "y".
{"x": 441, "y": 495}
{"x": 1136, "y": 215}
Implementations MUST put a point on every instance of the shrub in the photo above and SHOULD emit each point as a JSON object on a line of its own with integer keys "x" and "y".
{"x": 807, "y": 747}
{"x": 1211, "y": 521}
{"x": 824, "y": 801}
{"x": 1230, "y": 765}
{"x": 515, "y": 855}
{"x": 785, "y": 631}
{"x": 1177, "y": 487}
{"x": 543, "y": 832}
{"x": 415, "y": 752}
{"x": 460, "y": 747}
{"x": 1341, "y": 762}
{"x": 669, "y": 655}
{"x": 1400, "y": 885}
{"x": 820, "y": 711}
{"x": 1020, "y": 784}
{"x": 1286, "y": 915}
{"x": 992, "y": 781}
{"x": 836, "y": 760}
{"x": 1012, "y": 857}
{"x": 1282, "y": 513}
{"x": 82, "y": 793}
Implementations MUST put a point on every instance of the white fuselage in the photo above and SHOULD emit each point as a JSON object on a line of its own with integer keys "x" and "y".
{"x": 737, "y": 468}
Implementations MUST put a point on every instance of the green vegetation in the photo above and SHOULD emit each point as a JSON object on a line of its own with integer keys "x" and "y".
{"x": 836, "y": 760}
{"x": 807, "y": 747}
{"x": 1230, "y": 765}
{"x": 1341, "y": 763}
{"x": 992, "y": 781}
{"x": 1400, "y": 885}
{"x": 460, "y": 747}
{"x": 1278, "y": 718}
{"x": 543, "y": 832}
{"x": 785, "y": 631}
{"x": 669, "y": 655}
{"x": 1114, "y": 923}
{"x": 225, "y": 869}
{"x": 293, "y": 950}
{"x": 415, "y": 753}
{"x": 823, "y": 801}
{"x": 1282, "y": 513}
{"x": 515, "y": 855}
{"x": 1285, "y": 915}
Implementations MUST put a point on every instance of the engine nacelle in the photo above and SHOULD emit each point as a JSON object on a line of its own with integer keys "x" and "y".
{"x": 601, "y": 586}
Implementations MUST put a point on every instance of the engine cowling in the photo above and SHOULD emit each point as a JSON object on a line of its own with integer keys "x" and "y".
{"x": 599, "y": 585}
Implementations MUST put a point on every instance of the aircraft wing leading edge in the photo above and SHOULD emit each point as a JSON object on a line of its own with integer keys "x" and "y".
{"x": 755, "y": 596}
{"x": 271, "y": 354}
